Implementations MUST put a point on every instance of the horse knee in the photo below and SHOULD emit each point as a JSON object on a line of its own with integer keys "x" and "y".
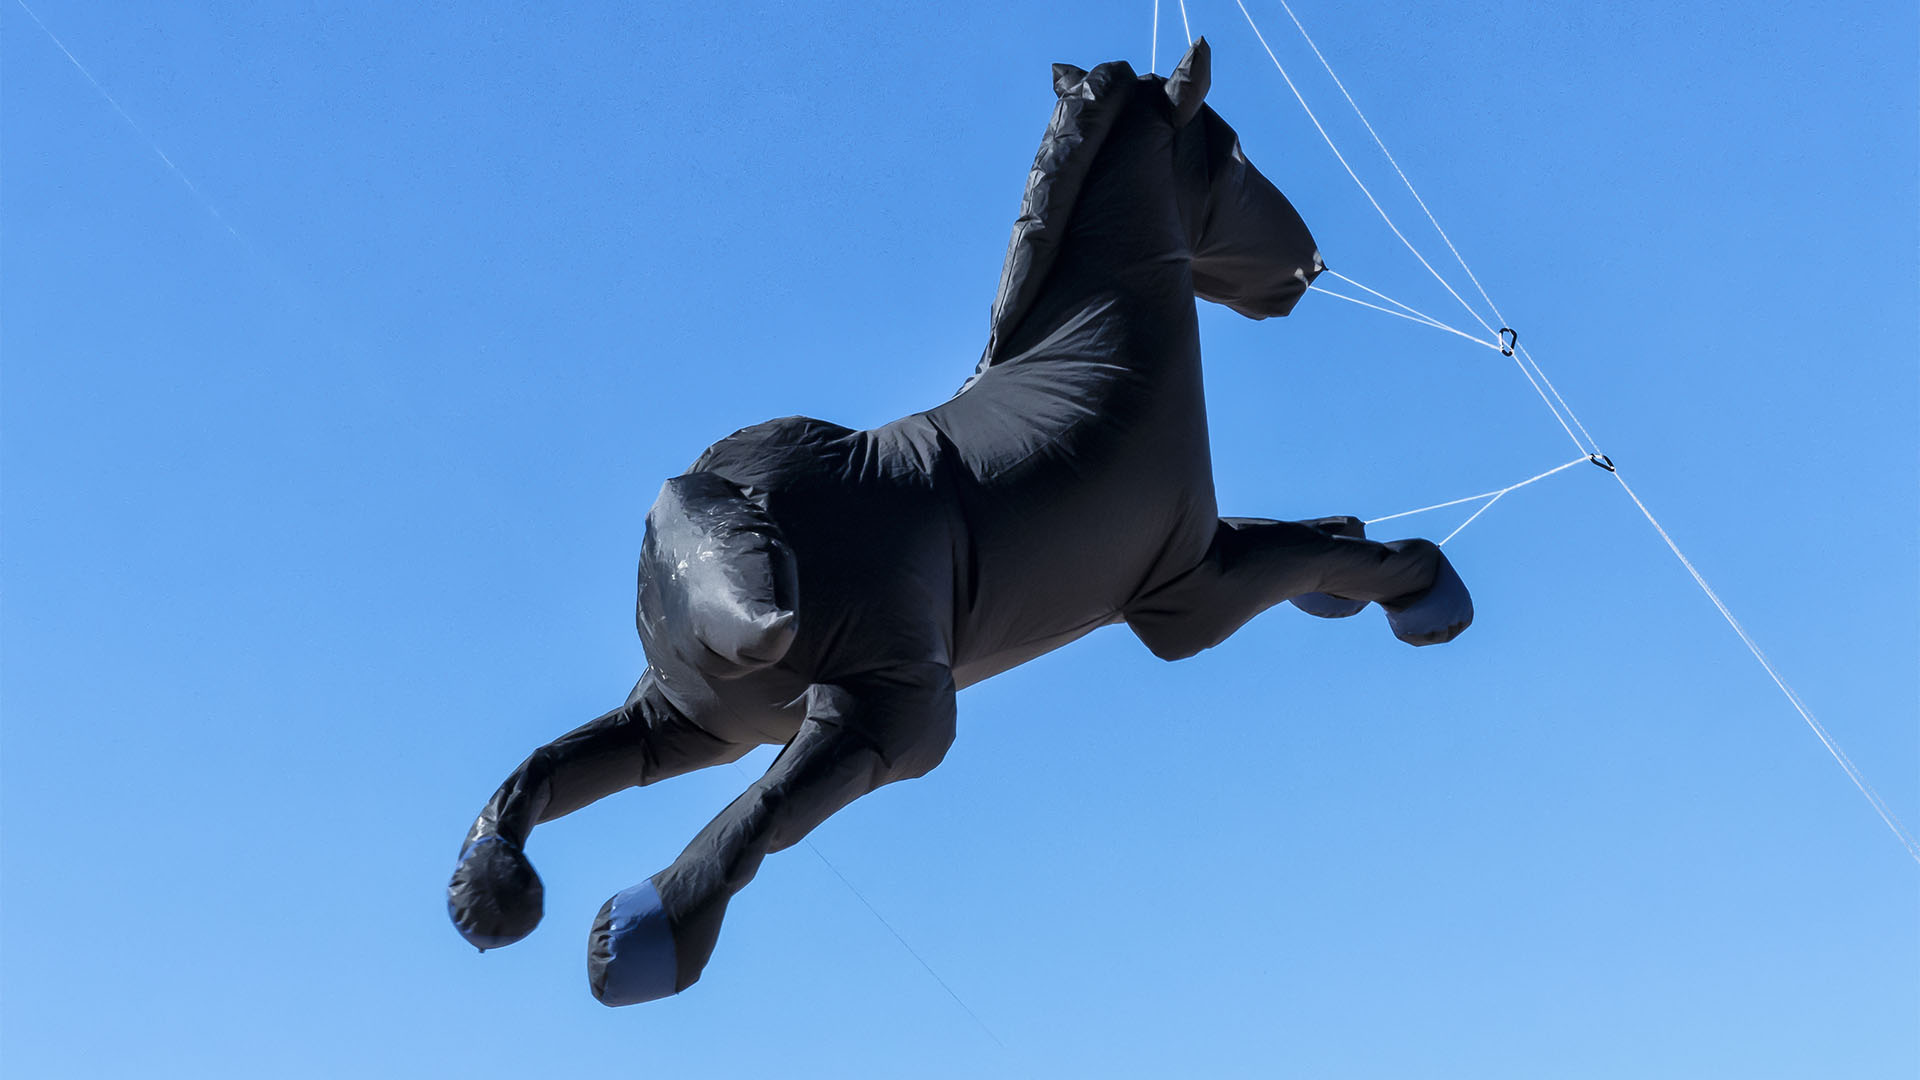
{"x": 913, "y": 758}
{"x": 1177, "y": 635}
{"x": 903, "y": 718}
{"x": 1164, "y": 643}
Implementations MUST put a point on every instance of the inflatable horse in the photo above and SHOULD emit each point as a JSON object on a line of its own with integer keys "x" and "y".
{"x": 830, "y": 590}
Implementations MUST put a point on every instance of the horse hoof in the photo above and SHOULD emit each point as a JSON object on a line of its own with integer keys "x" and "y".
{"x": 495, "y": 897}
{"x": 1437, "y": 615}
{"x": 630, "y": 953}
{"x": 1324, "y": 606}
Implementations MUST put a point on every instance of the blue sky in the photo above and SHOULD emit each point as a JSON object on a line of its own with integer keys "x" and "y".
{"x": 324, "y": 479}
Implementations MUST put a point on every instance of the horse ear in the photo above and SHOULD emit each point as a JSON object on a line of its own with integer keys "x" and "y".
{"x": 1188, "y": 85}
{"x": 1066, "y": 77}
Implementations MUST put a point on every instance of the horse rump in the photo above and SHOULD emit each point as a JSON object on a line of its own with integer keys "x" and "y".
{"x": 719, "y": 588}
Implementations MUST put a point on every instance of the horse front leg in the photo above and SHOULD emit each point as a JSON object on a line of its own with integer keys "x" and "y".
{"x": 654, "y": 939}
{"x": 495, "y": 897}
{"x": 1334, "y": 571}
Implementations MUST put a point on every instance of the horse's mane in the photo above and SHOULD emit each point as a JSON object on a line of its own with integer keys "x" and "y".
{"x": 1080, "y": 123}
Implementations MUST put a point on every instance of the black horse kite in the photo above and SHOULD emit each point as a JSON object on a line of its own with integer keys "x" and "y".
{"x": 830, "y": 589}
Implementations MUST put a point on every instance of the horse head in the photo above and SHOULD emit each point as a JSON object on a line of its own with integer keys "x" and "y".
{"x": 1117, "y": 138}
{"x": 1250, "y": 249}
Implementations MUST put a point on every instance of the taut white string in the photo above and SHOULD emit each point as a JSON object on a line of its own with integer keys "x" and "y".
{"x": 1364, "y": 190}
{"x": 897, "y": 935}
{"x": 1489, "y": 495}
{"x": 1592, "y": 443}
{"x": 151, "y": 142}
{"x": 1524, "y": 360}
{"x": 1412, "y": 312}
{"x": 1415, "y": 318}
{"x": 1536, "y": 376}
{"x": 1819, "y": 730}
{"x": 1153, "y": 58}
{"x": 1495, "y": 308}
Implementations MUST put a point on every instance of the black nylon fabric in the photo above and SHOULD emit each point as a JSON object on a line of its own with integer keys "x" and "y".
{"x": 830, "y": 589}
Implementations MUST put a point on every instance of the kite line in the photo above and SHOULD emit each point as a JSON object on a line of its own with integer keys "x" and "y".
{"x": 152, "y": 143}
{"x": 1549, "y": 394}
{"x": 891, "y": 929}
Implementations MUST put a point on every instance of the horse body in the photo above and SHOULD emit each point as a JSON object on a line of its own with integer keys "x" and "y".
{"x": 830, "y": 589}
{"x": 1084, "y": 443}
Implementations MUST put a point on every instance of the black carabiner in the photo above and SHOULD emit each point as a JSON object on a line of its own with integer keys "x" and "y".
{"x": 1603, "y": 461}
{"x": 1507, "y": 345}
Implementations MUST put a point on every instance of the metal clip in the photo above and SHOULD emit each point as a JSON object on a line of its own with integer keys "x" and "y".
{"x": 1508, "y": 344}
{"x": 1603, "y": 461}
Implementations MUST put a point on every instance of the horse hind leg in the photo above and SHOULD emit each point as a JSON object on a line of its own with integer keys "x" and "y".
{"x": 654, "y": 940}
{"x": 1254, "y": 564}
{"x": 495, "y": 897}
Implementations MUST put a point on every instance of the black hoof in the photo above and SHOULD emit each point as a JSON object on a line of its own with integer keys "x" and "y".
{"x": 495, "y": 898}
{"x": 630, "y": 953}
{"x": 1435, "y": 616}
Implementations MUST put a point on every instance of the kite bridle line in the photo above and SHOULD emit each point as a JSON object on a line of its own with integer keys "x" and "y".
{"x": 1507, "y": 342}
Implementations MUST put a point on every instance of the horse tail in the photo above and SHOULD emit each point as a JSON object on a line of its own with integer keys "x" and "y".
{"x": 719, "y": 587}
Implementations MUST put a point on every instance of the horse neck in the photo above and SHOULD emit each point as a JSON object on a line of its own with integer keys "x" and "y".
{"x": 1126, "y": 236}
{"x": 1122, "y": 248}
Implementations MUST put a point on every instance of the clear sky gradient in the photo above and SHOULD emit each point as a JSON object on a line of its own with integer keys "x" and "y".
{"x": 324, "y": 481}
